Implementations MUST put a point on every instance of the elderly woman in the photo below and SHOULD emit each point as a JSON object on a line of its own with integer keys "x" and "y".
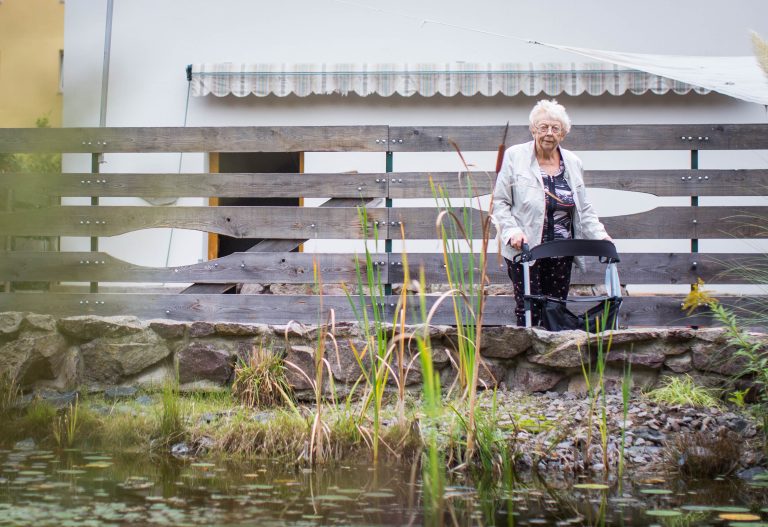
{"x": 540, "y": 197}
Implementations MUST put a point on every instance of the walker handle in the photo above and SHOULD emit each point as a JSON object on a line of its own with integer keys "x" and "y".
{"x": 524, "y": 256}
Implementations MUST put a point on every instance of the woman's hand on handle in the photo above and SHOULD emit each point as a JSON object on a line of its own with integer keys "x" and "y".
{"x": 517, "y": 240}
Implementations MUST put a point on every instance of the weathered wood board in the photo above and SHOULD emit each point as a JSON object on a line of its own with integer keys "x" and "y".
{"x": 279, "y": 309}
{"x": 196, "y": 139}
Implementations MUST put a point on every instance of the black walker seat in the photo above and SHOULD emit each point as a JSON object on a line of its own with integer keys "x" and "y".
{"x": 553, "y": 312}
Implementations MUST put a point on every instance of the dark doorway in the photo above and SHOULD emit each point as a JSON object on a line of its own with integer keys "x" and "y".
{"x": 277, "y": 162}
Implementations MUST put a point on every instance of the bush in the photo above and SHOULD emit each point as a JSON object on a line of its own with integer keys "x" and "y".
{"x": 260, "y": 380}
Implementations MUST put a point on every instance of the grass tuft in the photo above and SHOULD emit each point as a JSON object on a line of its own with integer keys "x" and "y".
{"x": 9, "y": 393}
{"x": 171, "y": 428}
{"x": 682, "y": 390}
{"x": 260, "y": 380}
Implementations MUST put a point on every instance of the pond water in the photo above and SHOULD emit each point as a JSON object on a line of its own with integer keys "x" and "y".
{"x": 74, "y": 488}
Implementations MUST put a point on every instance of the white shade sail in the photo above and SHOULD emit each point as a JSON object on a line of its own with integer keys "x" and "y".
{"x": 739, "y": 77}
{"x": 450, "y": 79}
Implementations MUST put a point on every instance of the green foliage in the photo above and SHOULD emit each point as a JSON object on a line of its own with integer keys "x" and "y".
{"x": 32, "y": 163}
{"x": 66, "y": 425}
{"x": 626, "y": 385}
{"x": 738, "y": 397}
{"x": 37, "y": 419}
{"x": 683, "y": 390}
{"x": 466, "y": 274}
{"x": 753, "y": 354}
{"x": 594, "y": 379}
{"x": 9, "y": 393}
{"x": 171, "y": 426}
{"x": 377, "y": 370}
{"x": 260, "y": 380}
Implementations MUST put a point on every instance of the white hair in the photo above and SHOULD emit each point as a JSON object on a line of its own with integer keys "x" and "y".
{"x": 552, "y": 110}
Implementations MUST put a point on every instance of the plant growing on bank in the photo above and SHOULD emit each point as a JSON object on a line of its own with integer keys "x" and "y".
{"x": 595, "y": 384}
{"x": 260, "y": 380}
{"x": 377, "y": 370}
{"x": 66, "y": 425}
{"x": 626, "y": 387}
{"x": 171, "y": 427}
{"x": 9, "y": 392}
{"x": 467, "y": 281}
{"x": 683, "y": 390}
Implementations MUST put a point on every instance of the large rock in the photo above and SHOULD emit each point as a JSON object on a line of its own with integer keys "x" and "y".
{"x": 490, "y": 373}
{"x": 300, "y": 367}
{"x": 504, "y": 342}
{"x": 642, "y": 378}
{"x": 201, "y": 329}
{"x": 94, "y": 327}
{"x": 527, "y": 377}
{"x": 234, "y": 329}
{"x": 168, "y": 329}
{"x": 36, "y": 356}
{"x": 563, "y": 349}
{"x": 209, "y": 361}
{"x": 680, "y": 363}
{"x": 651, "y": 344}
{"x": 109, "y": 360}
{"x": 37, "y": 322}
{"x": 713, "y": 353}
{"x": 651, "y": 357}
{"x": 10, "y": 322}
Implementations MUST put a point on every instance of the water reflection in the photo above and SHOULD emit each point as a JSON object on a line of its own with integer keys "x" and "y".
{"x": 73, "y": 488}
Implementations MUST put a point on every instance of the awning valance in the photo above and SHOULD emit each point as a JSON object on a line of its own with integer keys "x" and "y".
{"x": 462, "y": 78}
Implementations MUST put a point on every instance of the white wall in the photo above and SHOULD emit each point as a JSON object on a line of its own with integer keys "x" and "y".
{"x": 153, "y": 41}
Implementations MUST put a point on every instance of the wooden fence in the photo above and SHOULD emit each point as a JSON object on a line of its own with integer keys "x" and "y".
{"x": 285, "y": 228}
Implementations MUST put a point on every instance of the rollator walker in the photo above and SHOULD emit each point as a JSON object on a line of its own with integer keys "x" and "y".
{"x": 553, "y": 312}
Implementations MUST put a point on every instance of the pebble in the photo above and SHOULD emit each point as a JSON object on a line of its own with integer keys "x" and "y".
{"x": 652, "y": 424}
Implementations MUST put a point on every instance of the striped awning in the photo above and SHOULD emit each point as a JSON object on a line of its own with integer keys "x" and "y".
{"x": 451, "y": 79}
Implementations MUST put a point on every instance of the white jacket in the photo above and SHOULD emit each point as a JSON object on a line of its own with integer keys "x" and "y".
{"x": 519, "y": 201}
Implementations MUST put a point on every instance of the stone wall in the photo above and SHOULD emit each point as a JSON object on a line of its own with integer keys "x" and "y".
{"x": 99, "y": 352}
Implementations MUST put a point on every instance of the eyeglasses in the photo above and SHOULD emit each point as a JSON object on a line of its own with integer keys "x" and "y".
{"x": 544, "y": 128}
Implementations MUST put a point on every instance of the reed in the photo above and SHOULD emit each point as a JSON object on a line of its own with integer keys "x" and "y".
{"x": 594, "y": 380}
{"x": 66, "y": 425}
{"x": 626, "y": 386}
{"x": 467, "y": 281}
{"x": 9, "y": 392}
{"x": 376, "y": 370}
{"x": 171, "y": 427}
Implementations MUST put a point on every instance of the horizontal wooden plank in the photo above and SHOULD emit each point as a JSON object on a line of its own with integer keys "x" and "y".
{"x": 690, "y": 222}
{"x": 196, "y": 139}
{"x": 421, "y": 222}
{"x": 635, "y": 311}
{"x": 405, "y": 185}
{"x": 297, "y": 268}
{"x": 397, "y": 185}
{"x": 375, "y": 138}
{"x": 682, "y": 182}
{"x": 634, "y": 268}
{"x": 585, "y": 137}
{"x": 238, "y": 222}
{"x": 705, "y": 222}
{"x": 268, "y": 309}
{"x": 279, "y": 309}
{"x": 272, "y": 245}
{"x": 660, "y": 223}
{"x": 229, "y": 185}
{"x": 245, "y": 267}
{"x": 657, "y": 182}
